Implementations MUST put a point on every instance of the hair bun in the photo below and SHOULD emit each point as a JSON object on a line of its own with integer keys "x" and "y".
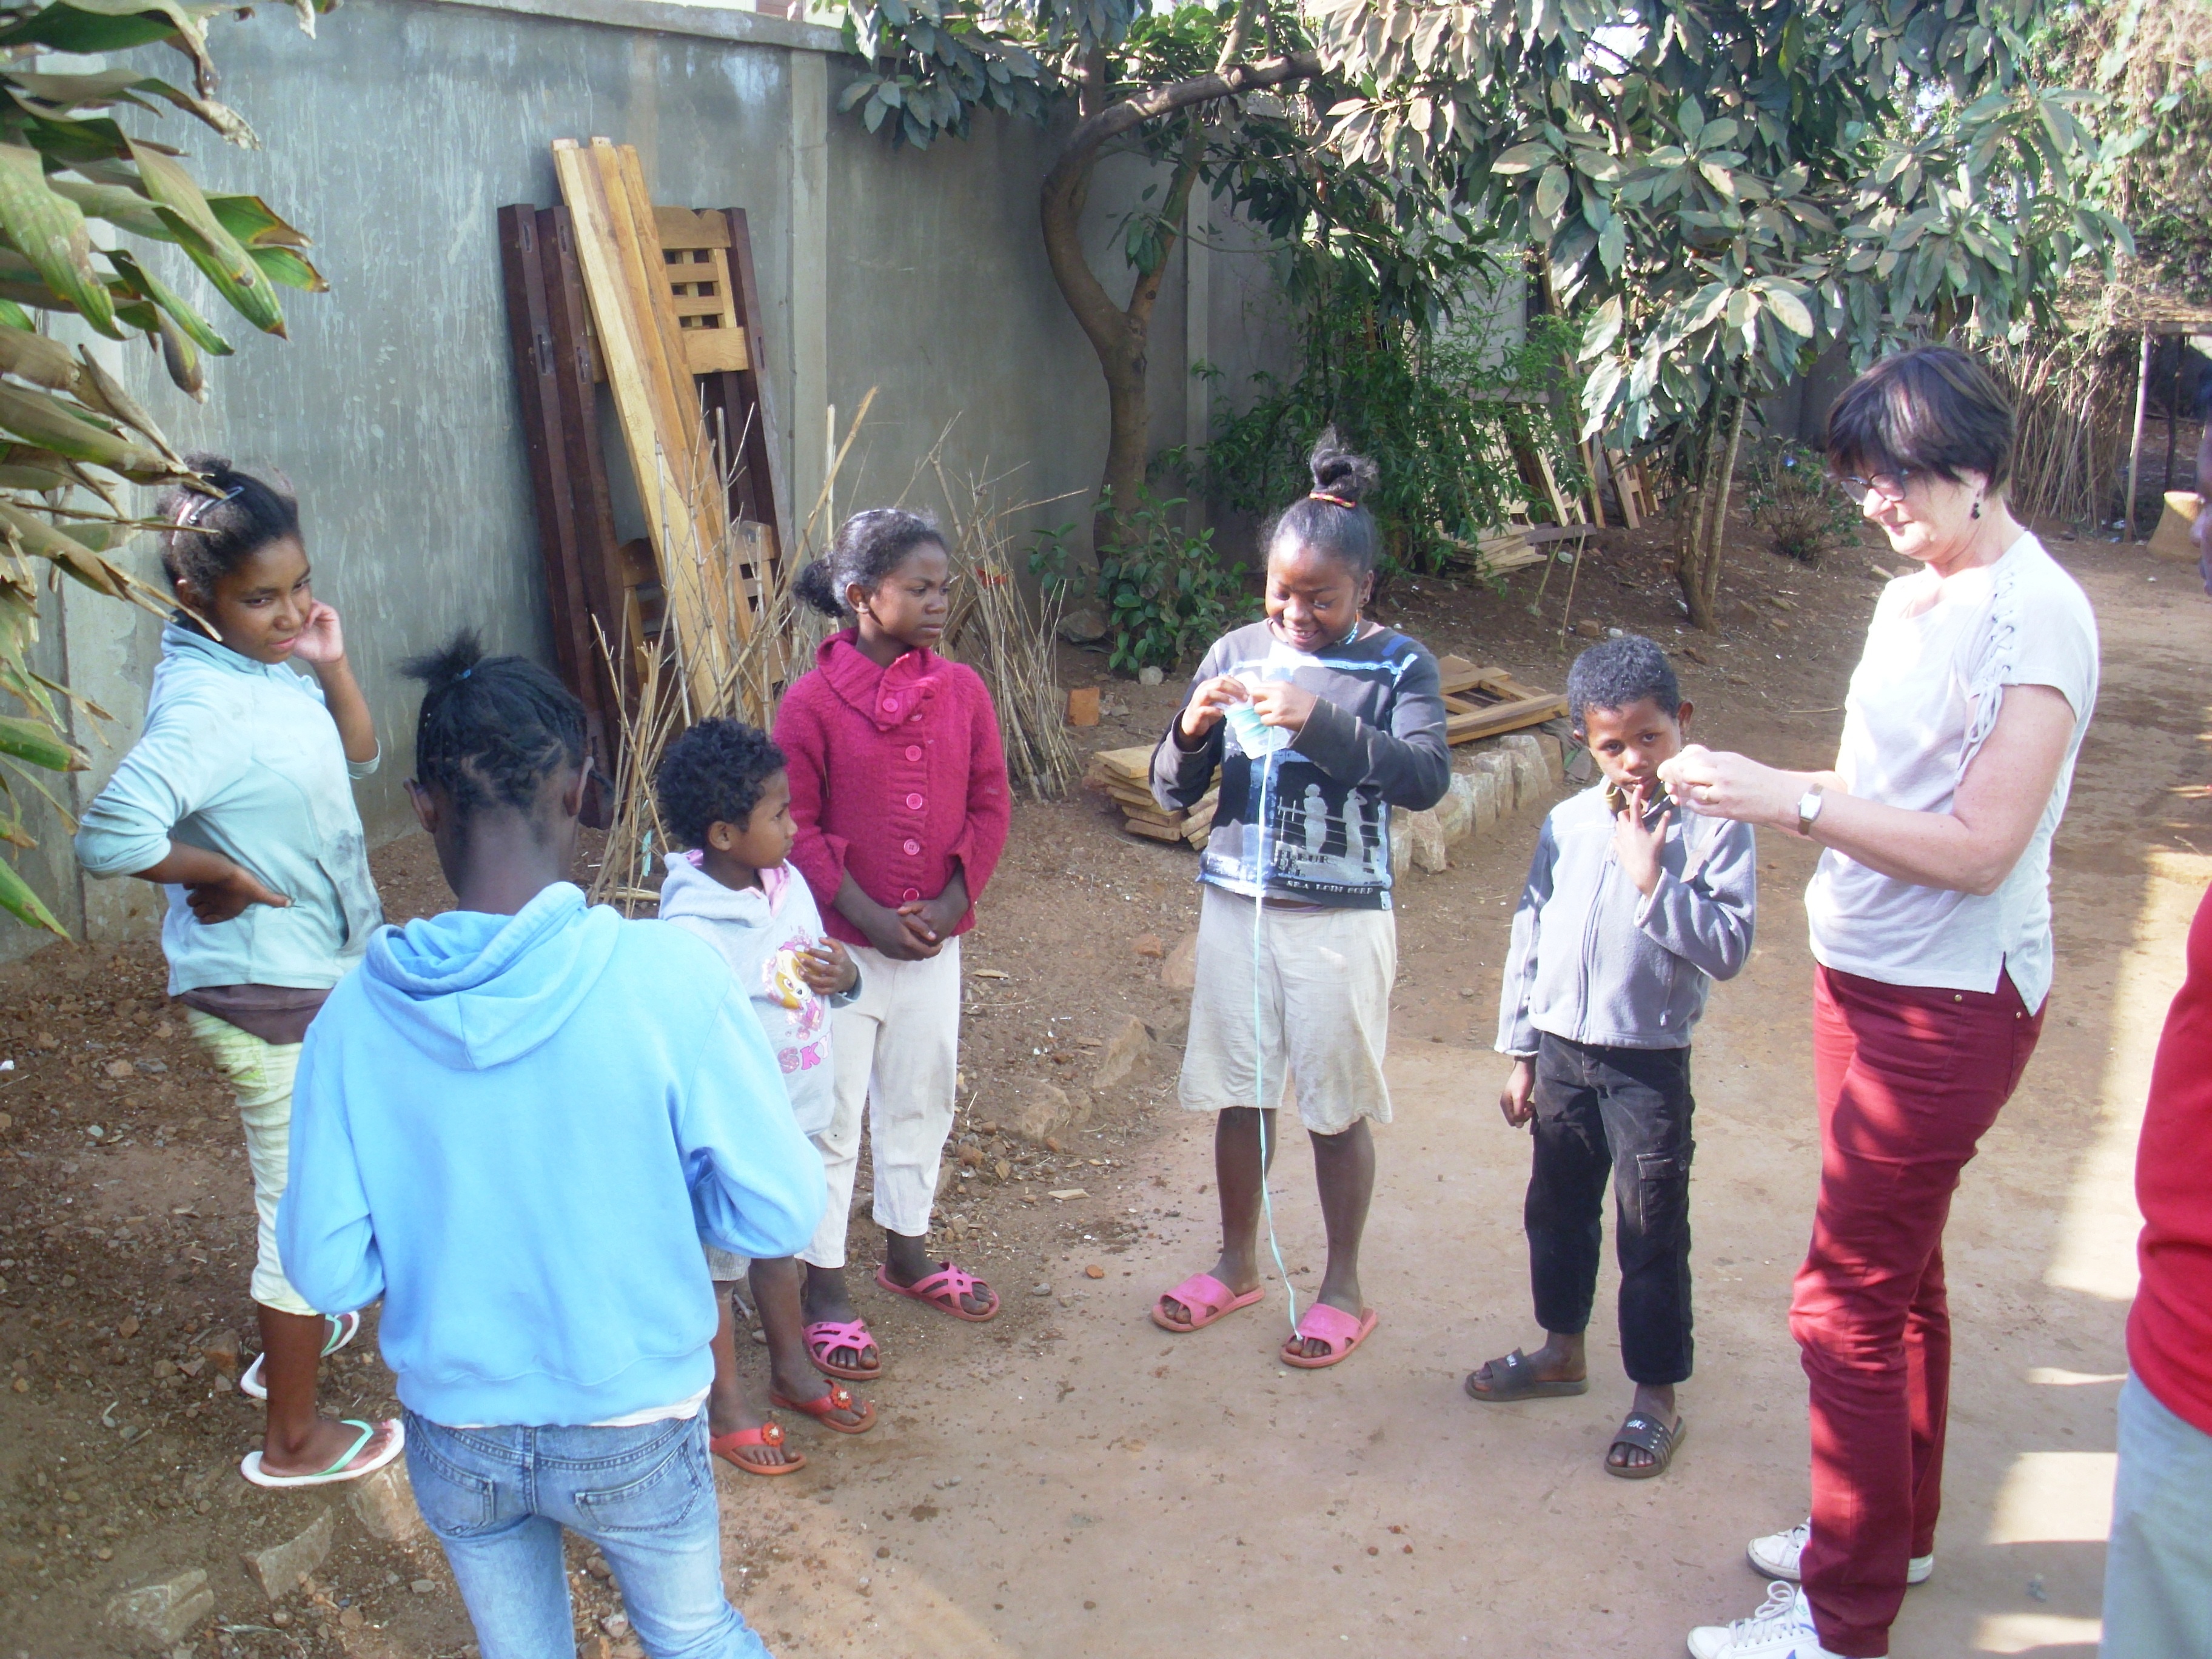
{"x": 449, "y": 664}
{"x": 1337, "y": 471}
{"x": 206, "y": 464}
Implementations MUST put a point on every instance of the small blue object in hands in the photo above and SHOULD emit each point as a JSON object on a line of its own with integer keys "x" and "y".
{"x": 1253, "y": 735}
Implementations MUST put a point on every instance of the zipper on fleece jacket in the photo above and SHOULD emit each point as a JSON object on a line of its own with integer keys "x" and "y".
{"x": 1589, "y": 938}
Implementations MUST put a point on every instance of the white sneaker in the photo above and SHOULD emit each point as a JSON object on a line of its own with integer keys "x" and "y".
{"x": 1776, "y": 1554}
{"x": 1781, "y": 1629}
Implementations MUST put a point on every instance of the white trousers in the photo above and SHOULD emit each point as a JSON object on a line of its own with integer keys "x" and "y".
{"x": 896, "y": 1054}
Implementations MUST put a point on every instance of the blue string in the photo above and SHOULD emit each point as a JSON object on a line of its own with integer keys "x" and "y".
{"x": 1259, "y": 1045}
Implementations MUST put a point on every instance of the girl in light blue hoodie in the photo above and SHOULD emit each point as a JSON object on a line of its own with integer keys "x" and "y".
{"x": 238, "y": 799}
{"x": 515, "y": 1124}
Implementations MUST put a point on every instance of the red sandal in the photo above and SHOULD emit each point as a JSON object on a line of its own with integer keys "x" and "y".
{"x": 836, "y": 1398}
{"x": 726, "y": 1446}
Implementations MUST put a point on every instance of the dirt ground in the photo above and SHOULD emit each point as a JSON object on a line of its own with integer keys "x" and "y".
{"x": 1069, "y": 1480}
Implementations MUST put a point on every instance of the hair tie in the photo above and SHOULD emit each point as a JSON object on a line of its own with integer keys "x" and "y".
{"x": 1334, "y": 500}
{"x": 464, "y": 673}
{"x": 195, "y": 505}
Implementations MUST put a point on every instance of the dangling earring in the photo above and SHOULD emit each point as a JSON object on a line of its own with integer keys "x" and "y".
{"x": 1977, "y": 507}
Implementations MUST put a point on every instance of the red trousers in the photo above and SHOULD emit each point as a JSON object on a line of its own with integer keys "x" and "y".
{"x": 1909, "y": 1077}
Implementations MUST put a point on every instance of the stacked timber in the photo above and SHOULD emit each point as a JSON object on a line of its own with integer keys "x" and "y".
{"x": 1125, "y": 776}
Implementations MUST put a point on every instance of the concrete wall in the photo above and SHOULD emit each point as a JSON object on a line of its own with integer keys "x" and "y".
{"x": 393, "y": 140}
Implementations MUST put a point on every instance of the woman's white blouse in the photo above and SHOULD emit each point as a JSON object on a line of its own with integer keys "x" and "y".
{"x": 1939, "y": 655}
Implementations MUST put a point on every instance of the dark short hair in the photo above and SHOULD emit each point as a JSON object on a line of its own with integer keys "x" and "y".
{"x": 870, "y": 545}
{"x": 714, "y": 774}
{"x": 1332, "y": 520}
{"x": 492, "y": 729}
{"x": 1929, "y": 410}
{"x": 214, "y": 527}
{"x": 1620, "y": 674}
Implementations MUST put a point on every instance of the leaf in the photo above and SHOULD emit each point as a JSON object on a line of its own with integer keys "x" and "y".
{"x": 1522, "y": 158}
{"x": 36, "y": 743}
{"x": 55, "y": 425}
{"x": 255, "y": 223}
{"x": 1788, "y": 310}
{"x": 1612, "y": 244}
{"x": 49, "y": 231}
{"x": 21, "y": 902}
{"x": 211, "y": 247}
{"x": 41, "y": 361}
{"x": 169, "y": 302}
{"x": 282, "y": 265}
{"x": 1604, "y": 328}
{"x": 1552, "y": 192}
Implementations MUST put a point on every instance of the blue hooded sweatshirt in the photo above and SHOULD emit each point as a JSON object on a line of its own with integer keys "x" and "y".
{"x": 516, "y": 1129}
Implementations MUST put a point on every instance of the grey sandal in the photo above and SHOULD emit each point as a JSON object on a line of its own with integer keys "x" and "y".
{"x": 1646, "y": 1434}
{"x": 1514, "y": 1377}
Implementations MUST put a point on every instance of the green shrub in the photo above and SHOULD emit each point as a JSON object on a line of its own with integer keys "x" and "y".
{"x": 1795, "y": 506}
{"x": 1165, "y": 594}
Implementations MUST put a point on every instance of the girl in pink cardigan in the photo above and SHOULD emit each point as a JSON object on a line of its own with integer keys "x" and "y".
{"x": 898, "y": 786}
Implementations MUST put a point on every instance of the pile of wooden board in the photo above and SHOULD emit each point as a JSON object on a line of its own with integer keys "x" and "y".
{"x": 658, "y": 304}
{"x": 1488, "y": 703}
{"x": 1126, "y": 776}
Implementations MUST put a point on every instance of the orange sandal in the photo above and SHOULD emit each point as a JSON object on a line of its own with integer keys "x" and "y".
{"x": 725, "y": 1447}
{"x": 836, "y": 1398}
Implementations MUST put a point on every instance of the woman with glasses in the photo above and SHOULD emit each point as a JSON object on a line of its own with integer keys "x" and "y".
{"x": 1930, "y": 915}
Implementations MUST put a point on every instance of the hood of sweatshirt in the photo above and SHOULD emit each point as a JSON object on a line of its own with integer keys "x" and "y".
{"x": 688, "y": 890}
{"x": 473, "y": 990}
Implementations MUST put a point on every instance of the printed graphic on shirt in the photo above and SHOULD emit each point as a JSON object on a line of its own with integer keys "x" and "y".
{"x": 782, "y": 984}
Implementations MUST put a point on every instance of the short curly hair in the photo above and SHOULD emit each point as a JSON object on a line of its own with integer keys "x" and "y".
{"x": 1620, "y": 674}
{"x": 714, "y": 774}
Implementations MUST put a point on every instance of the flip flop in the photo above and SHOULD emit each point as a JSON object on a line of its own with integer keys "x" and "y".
{"x": 1322, "y": 1323}
{"x": 1514, "y": 1377}
{"x": 725, "y": 1446}
{"x": 1647, "y": 1434}
{"x": 825, "y": 1336}
{"x": 344, "y": 1328}
{"x": 1207, "y": 1298}
{"x": 942, "y": 1291}
{"x": 345, "y": 1468}
{"x": 837, "y": 1398}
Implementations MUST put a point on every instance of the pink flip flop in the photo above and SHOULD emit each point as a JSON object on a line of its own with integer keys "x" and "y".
{"x": 942, "y": 1291}
{"x": 825, "y": 1336}
{"x": 1322, "y": 1323}
{"x": 1207, "y": 1298}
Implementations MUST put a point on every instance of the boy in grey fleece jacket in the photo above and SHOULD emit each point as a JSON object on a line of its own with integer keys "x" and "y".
{"x": 1629, "y": 913}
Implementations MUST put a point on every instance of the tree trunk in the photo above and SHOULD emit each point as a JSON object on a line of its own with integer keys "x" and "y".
{"x": 1697, "y": 566}
{"x": 1121, "y": 336}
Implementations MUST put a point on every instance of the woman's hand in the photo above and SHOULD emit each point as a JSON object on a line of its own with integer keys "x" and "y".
{"x": 1636, "y": 848}
{"x": 828, "y": 969}
{"x": 1729, "y": 786}
{"x": 1278, "y": 702}
{"x": 1516, "y": 1098}
{"x": 1206, "y": 705}
{"x": 226, "y": 897}
{"x": 322, "y": 641}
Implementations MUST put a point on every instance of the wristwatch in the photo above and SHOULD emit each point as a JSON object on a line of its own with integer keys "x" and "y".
{"x": 1808, "y": 809}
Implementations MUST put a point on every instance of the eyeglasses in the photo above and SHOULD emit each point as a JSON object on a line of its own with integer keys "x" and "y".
{"x": 1890, "y": 486}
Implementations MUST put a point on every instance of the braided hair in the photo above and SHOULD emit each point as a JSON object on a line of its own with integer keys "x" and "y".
{"x": 1331, "y": 520}
{"x": 714, "y": 774}
{"x": 492, "y": 729}
{"x": 870, "y": 545}
{"x": 211, "y": 535}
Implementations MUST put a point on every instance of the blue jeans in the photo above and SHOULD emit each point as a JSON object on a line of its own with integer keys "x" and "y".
{"x": 497, "y": 1500}
{"x": 2158, "y": 1568}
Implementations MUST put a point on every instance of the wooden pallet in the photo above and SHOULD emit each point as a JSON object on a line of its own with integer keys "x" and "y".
{"x": 1488, "y": 703}
{"x": 1124, "y": 775}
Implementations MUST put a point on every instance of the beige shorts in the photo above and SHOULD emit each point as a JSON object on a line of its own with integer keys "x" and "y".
{"x": 1323, "y": 1013}
{"x": 260, "y": 1076}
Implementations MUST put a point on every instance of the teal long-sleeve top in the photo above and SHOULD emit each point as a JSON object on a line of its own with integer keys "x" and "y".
{"x": 242, "y": 758}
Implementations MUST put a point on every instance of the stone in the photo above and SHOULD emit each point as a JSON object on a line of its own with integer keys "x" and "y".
{"x": 1425, "y": 841}
{"x": 280, "y": 1568}
{"x": 163, "y": 1614}
{"x": 384, "y": 1503}
{"x": 1455, "y": 811}
{"x": 1127, "y": 1054}
{"x": 1554, "y": 756}
{"x": 1048, "y": 1110}
{"x": 1150, "y": 674}
{"x": 1083, "y": 705}
{"x": 1590, "y": 630}
{"x": 1180, "y": 971}
{"x": 1148, "y": 947}
{"x": 1401, "y": 840}
{"x": 220, "y": 1350}
{"x": 1532, "y": 783}
{"x": 1498, "y": 766}
{"x": 1082, "y": 626}
{"x": 1486, "y": 791}
{"x": 948, "y": 1172}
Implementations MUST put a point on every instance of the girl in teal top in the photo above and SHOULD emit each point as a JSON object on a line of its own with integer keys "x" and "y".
{"x": 238, "y": 798}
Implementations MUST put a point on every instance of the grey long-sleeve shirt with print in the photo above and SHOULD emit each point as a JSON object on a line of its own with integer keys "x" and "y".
{"x": 1317, "y": 815}
{"x": 1595, "y": 962}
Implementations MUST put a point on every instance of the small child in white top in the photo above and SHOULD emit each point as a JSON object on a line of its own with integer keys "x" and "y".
{"x": 724, "y": 794}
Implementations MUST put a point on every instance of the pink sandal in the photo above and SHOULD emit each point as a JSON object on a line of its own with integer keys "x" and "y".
{"x": 1322, "y": 1323}
{"x": 943, "y": 1291}
{"x": 1207, "y": 1298}
{"x": 826, "y": 1336}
